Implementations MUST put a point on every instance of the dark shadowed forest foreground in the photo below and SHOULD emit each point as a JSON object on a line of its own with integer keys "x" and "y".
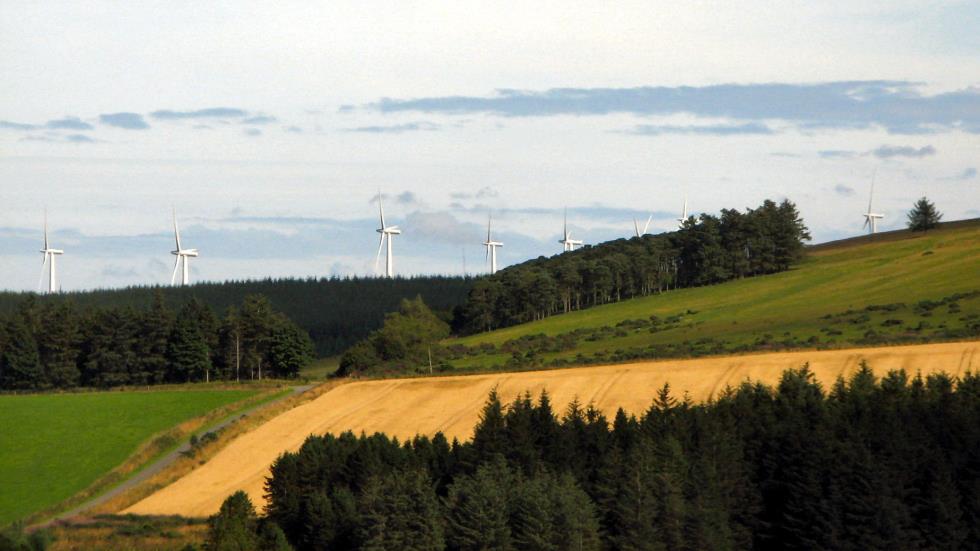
{"x": 867, "y": 464}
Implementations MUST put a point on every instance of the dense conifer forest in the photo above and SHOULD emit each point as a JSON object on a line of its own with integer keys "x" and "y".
{"x": 55, "y": 344}
{"x": 336, "y": 312}
{"x": 706, "y": 250}
{"x": 868, "y": 464}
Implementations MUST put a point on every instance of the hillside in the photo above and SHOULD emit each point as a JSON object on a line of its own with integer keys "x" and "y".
{"x": 56, "y": 445}
{"x": 405, "y": 407}
{"x": 895, "y": 287}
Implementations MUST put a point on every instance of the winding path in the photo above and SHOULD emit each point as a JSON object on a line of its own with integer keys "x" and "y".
{"x": 163, "y": 462}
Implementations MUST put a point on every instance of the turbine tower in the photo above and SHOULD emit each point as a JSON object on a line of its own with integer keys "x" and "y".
{"x": 386, "y": 232}
{"x": 871, "y": 218}
{"x": 636, "y": 227}
{"x": 684, "y": 215}
{"x": 491, "y": 246}
{"x": 567, "y": 242}
{"x": 51, "y": 254}
{"x": 183, "y": 257}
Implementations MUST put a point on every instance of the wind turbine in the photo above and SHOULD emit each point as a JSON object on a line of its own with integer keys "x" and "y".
{"x": 636, "y": 227}
{"x": 52, "y": 254}
{"x": 684, "y": 216}
{"x": 871, "y": 218}
{"x": 567, "y": 242}
{"x": 491, "y": 246}
{"x": 183, "y": 257}
{"x": 386, "y": 232}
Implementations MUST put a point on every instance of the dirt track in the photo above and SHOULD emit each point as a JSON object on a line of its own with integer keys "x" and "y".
{"x": 405, "y": 407}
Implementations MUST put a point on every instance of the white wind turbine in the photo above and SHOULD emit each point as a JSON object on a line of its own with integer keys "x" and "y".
{"x": 871, "y": 218}
{"x": 636, "y": 227}
{"x": 491, "y": 246}
{"x": 386, "y": 232}
{"x": 684, "y": 215}
{"x": 567, "y": 242}
{"x": 51, "y": 254}
{"x": 183, "y": 257}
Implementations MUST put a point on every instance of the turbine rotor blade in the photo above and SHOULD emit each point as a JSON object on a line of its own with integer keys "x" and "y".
{"x": 381, "y": 207}
{"x": 40, "y": 280}
{"x": 636, "y": 228}
{"x": 176, "y": 231}
{"x": 647, "y": 225}
{"x": 381, "y": 245}
{"x": 173, "y": 278}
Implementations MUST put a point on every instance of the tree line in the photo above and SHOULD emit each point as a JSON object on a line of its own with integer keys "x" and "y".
{"x": 336, "y": 312}
{"x": 55, "y": 344}
{"x": 868, "y": 464}
{"x": 705, "y": 250}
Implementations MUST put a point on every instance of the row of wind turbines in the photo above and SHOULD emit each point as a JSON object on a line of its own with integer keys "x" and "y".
{"x": 183, "y": 256}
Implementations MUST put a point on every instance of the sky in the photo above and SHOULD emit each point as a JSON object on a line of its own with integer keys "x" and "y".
{"x": 271, "y": 128}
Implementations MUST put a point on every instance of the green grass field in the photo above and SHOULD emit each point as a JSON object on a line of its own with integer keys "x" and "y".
{"x": 823, "y": 302}
{"x": 54, "y": 445}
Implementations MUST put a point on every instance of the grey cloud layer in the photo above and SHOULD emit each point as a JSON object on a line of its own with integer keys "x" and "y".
{"x": 129, "y": 121}
{"x": 396, "y": 128}
{"x": 898, "y": 106}
{"x": 882, "y": 152}
{"x": 209, "y": 113}
{"x": 749, "y": 128}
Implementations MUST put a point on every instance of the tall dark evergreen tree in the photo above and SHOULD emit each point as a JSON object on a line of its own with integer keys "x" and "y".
{"x": 923, "y": 216}
{"x": 20, "y": 364}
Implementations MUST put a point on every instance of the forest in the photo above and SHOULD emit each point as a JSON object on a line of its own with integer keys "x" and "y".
{"x": 336, "y": 312}
{"x": 868, "y": 464}
{"x": 705, "y": 250}
{"x": 57, "y": 345}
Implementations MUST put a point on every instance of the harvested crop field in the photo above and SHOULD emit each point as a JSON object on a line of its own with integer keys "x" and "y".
{"x": 405, "y": 407}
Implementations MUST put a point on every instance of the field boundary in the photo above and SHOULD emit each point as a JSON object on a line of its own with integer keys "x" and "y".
{"x": 150, "y": 450}
{"x": 183, "y": 464}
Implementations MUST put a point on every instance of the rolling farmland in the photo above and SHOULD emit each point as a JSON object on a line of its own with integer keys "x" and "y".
{"x": 55, "y": 445}
{"x": 405, "y": 407}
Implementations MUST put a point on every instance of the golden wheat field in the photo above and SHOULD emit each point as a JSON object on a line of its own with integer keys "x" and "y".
{"x": 405, "y": 407}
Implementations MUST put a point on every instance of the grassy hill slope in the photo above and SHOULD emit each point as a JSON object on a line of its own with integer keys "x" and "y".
{"x": 919, "y": 287}
{"x": 55, "y": 445}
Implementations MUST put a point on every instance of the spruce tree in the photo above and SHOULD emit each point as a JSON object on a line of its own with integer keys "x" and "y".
{"x": 478, "y": 509}
{"x": 187, "y": 352}
{"x": 233, "y": 527}
{"x": 59, "y": 345}
{"x": 20, "y": 364}
{"x": 923, "y": 216}
{"x": 156, "y": 326}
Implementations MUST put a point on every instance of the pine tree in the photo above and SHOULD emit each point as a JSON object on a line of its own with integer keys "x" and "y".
{"x": 187, "y": 352}
{"x": 233, "y": 527}
{"x": 156, "y": 326}
{"x": 478, "y": 509}
{"x": 290, "y": 350}
{"x": 399, "y": 511}
{"x": 20, "y": 364}
{"x": 923, "y": 216}
{"x": 59, "y": 345}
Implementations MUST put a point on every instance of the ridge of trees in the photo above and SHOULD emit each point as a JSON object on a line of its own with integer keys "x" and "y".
{"x": 58, "y": 345}
{"x": 336, "y": 312}
{"x": 870, "y": 463}
{"x": 705, "y": 250}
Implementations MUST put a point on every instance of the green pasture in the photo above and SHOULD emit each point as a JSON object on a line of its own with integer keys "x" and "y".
{"x": 822, "y": 302}
{"x": 54, "y": 445}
